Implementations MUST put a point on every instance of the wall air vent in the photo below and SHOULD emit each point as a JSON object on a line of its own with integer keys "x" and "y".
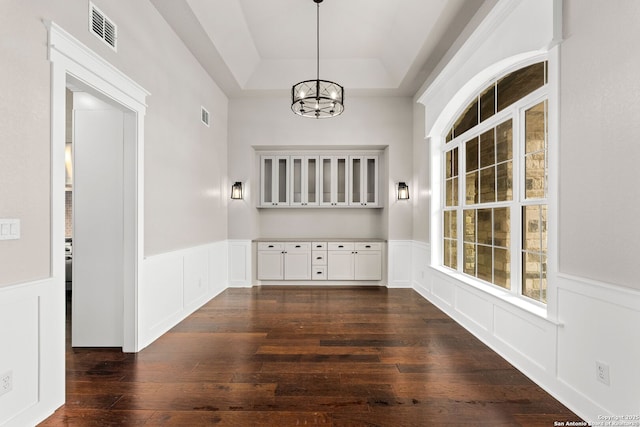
{"x": 102, "y": 27}
{"x": 204, "y": 116}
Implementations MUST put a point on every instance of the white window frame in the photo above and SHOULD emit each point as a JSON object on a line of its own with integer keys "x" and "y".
{"x": 516, "y": 112}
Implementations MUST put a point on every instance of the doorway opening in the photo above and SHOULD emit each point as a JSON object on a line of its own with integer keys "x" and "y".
{"x": 97, "y": 136}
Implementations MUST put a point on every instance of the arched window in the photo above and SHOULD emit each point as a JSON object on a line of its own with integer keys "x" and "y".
{"x": 494, "y": 212}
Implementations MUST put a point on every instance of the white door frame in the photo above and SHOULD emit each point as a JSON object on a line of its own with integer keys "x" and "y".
{"x": 72, "y": 60}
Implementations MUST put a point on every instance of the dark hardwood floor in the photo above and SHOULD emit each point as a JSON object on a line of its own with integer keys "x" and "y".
{"x": 296, "y": 356}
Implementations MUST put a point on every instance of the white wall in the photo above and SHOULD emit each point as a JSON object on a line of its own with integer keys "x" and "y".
{"x": 185, "y": 169}
{"x": 258, "y": 123}
{"x": 420, "y": 184}
{"x": 600, "y": 195}
{"x": 587, "y": 320}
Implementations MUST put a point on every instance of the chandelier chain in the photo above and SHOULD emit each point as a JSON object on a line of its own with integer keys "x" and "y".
{"x": 318, "y": 41}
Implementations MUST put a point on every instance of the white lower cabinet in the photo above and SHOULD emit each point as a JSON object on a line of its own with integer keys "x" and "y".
{"x": 297, "y": 261}
{"x": 354, "y": 261}
{"x": 340, "y": 261}
{"x": 284, "y": 261}
{"x": 367, "y": 261}
{"x": 270, "y": 261}
{"x": 320, "y": 261}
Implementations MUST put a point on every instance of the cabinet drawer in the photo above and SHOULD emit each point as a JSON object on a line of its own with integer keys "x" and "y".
{"x": 341, "y": 246}
{"x": 297, "y": 246}
{"x": 270, "y": 246}
{"x": 368, "y": 246}
{"x": 319, "y": 273}
{"x": 319, "y": 246}
{"x": 319, "y": 257}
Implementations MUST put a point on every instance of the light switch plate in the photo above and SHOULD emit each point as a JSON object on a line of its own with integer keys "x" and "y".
{"x": 9, "y": 229}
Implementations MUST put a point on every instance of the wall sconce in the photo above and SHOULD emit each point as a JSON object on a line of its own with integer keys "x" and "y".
{"x": 403, "y": 191}
{"x": 236, "y": 190}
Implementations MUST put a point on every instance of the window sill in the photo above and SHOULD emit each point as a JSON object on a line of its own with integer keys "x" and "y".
{"x": 520, "y": 302}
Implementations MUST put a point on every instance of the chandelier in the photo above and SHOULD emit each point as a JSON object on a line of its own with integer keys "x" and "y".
{"x": 317, "y": 98}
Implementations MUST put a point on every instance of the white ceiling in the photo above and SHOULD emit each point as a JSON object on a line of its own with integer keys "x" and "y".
{"x": 368, "y": 46}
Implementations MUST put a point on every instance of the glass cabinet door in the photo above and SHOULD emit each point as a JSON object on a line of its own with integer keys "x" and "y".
{"x": 304, "y": 180}
{"x": 311, "y": 183}
{"x": 364, "y": 181}
{"x": 296, "y": 181}
{"x": 342, "y": 181}
{"x": 325, "y": 181}
{"x": 274, "y": 188}
{"x": 282, "y": 181}
{"x": 356, "y": 181}
{"x": 334, "y": 182}
{"x": 266, "y": 189}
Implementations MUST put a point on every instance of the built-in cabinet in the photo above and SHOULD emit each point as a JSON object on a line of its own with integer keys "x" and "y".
{"x": 344, "y": 260}
{"x": 274, "y": 181}
{"x": 354, "y": 261}
{"x": 284, "y": 261}
{"x": 305, "y": 174}
{"x": 364, "y": 180}
{"x": 334, "y": 182}
{"x": 327, "y": 180}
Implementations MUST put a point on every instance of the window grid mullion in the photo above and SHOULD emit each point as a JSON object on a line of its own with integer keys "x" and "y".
{"x": 516, "y": 209}
{"x": 462, "y": 178}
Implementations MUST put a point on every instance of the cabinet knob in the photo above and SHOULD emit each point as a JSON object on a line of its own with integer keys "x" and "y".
{"x": 340, "y": 246}
{"x": 367, "y": 246}
{"x": 319, "y": 272}
{"x": 297, "y": 246}
{"x": 319, "y": 257}
{"x": 270, "y": 246}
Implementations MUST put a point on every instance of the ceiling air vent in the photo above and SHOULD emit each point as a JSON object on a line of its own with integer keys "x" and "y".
{"x": 102, "y": 27}
{"x": 204, "y": 116}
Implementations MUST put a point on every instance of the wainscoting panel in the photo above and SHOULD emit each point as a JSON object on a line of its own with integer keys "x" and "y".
{"x": 218, "y": 267}
{"x": 32, "y": 346}
{"x": 601, "y": 324}
{"x": 196, "y": 277}
{"x": 178, "y": 283}
{"x": 474, "y": 308}
{"x": 160, "y": 295}
{"x": 239, "y": 263}
{"x": 532, "y": 339}
{"x": 400, "y": 259}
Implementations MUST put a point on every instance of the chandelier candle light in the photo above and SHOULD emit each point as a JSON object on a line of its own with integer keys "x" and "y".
{"x": 317, "y": 98}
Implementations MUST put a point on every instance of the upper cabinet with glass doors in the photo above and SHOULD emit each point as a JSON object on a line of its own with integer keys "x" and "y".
{"x": 305, "y": 175}
{"x": 274, "y": 189}
{"x": 334, "y": 180}
{"x": 331, "y": 180}
{"x": 364, "y": 181}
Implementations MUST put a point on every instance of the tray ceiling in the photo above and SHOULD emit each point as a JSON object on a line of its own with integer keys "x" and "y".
{"x": 368, "y": 46}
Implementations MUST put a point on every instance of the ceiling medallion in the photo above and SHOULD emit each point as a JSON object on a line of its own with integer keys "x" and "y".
{"x": 317, "y": 98}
